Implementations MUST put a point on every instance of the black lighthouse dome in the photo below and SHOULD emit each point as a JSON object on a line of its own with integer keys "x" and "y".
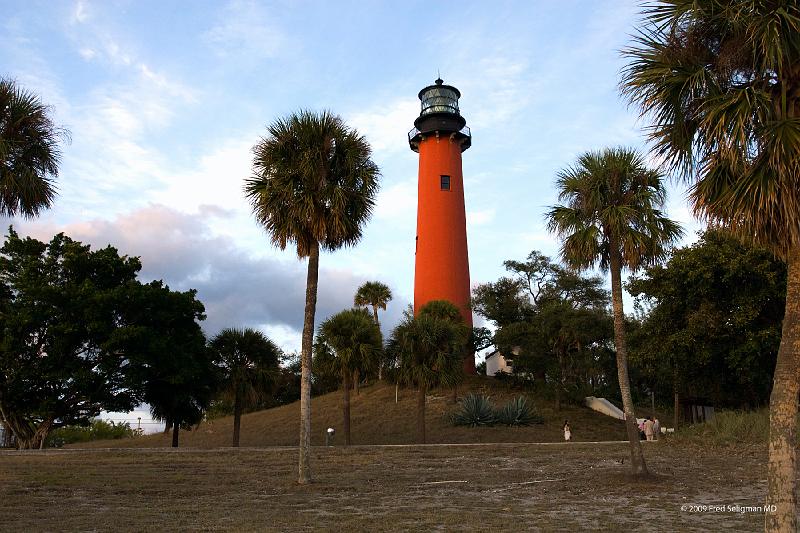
{"x": 439, "y": 115}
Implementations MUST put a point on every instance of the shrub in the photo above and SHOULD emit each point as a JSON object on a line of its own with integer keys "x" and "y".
{"x": 728, "y": 427}
{"x": 518, "y": 412}
{"x": 96, "y": 430}
{"x": 475, "y": 410}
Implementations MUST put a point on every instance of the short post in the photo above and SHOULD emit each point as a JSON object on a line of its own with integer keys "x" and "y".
{"x": 329, "y": 436}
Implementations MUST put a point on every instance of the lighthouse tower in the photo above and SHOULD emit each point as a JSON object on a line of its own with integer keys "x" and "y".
{"x": 440, "y": 136}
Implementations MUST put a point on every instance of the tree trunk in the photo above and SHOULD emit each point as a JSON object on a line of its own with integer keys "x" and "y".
{"x": 783, "y": 411}
{"x": 356, "y": 379}
{"x": 638, "y": 465}
{"x": 305, "y": 365}
{"x": 167, "y": 425}
{"x": 237, "y": 418}
{"x": 558, "y": 397}
{"x": 421, "y": 414}
{"x": 346, "y": 406}
{"x": 677, "y": 405}
{"x": 377, "y": 323}
{"x": 175, "y": 429}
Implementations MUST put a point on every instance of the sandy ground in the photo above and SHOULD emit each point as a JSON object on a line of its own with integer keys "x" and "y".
{"x": 500, "y": 487}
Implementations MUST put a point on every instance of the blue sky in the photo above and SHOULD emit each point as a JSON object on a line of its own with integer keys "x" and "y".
{"x": 164, "y": 101}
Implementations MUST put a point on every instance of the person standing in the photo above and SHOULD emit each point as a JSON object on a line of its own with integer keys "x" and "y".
{"x": 656, "y": 429}
{"x": 567, "y": 431}
{"x": 648, "y": 428}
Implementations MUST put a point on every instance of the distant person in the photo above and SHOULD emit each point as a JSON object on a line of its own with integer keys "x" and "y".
{"x": 648, "y": 428}
{"x": 641, "y": 430}
{"x": 656, "y": 428}
{"x": 567, "y": 432}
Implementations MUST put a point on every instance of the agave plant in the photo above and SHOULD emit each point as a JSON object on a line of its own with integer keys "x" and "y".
{"x": 518, "y": 412}
{"x": 475, "y": 410}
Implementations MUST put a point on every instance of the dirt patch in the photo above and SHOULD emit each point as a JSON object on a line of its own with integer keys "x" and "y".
{"x": 509, "y": 487}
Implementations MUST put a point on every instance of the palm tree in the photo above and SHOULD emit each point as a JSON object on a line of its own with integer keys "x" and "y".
{"x": 613, "y": 218}
{"x": 447, "y": 310}
{"x": 376, "y": 295}
{"x": 29, "y": 154}
{"x": 313, "y": 186}
{"x": 249, "y": 361}
{"x": 721, "y": 83}
{"x": 356, "y": 343}
{"x": 431, "y": 352}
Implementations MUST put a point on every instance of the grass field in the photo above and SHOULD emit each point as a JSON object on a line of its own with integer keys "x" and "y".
{"x": 377, "y": 419}
{"x": 506, "y": 487}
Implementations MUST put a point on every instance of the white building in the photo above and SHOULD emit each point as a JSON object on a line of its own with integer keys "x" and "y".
{"x": 497, "y": 362}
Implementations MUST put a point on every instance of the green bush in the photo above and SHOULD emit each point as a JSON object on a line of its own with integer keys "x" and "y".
{"x": 728, "y": 427}
{"x": 475, "y": 410}
{"x": 96, "y": 430}
{"x": 518, "y": 412}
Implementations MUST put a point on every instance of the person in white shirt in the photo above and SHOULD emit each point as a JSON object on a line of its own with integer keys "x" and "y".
{"x": 567, "y": 432}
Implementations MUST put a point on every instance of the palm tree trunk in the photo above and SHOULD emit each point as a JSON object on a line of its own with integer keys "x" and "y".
{"x": 167, "y": 425}
{"x": 175, "y": 429}
{"x": 305, "y": 365}
{"x": 638, "y": 465}
{"x": 377, "y": 323}
{"x": 237, "y": 418}
{"x": 421, "y": 414}
{"x": 783, "y": 411}
{"x": 346, "y": 406}
{"x": 356, "y": 379}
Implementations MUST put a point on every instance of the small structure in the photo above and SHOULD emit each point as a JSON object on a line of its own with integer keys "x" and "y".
{"x": 696, "y": 410}
{"x": 497, "y": 362}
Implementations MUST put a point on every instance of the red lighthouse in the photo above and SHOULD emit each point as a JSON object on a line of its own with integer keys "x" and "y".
{"x": 440, "y": 136}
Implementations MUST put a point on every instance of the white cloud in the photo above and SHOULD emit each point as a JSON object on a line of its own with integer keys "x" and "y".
{"x": 398, "y": 201}
{"x": 246, "y": 31}
{"x": 81, "y": 12}
{"x": 387, "y": 125}
{"x": 481, "y": 217}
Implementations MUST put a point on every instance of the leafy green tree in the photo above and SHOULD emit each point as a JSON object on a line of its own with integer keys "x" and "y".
{"x": 446, "y": 310}
{"x": 313, "y": 186}
{"x": 248, "y": 361}
{"x": 169, "y": 361}
{"x": 29, "y": 153}
{"x": 713, "y": 321}
{"x": 355, "y": 344}
{"x": 721, "y": 83}
{"x": 60, "y": 304}
{"x": 376, "y": 295}
{"x": 430, "y": 351}
{"x": 612, "y": 218}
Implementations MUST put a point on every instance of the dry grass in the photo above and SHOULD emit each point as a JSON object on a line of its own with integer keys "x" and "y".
{"x": 508, "y": 487}
{"x": 377, "y": 419}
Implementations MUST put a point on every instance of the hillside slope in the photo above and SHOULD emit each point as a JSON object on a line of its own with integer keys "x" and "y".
{"x": 377, "y": 419}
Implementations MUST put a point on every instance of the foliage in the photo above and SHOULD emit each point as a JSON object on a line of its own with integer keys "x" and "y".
{"x": 431, "y": 346}
{"x": 518, "y": 412}
{"x": 719, "y": 80}
{"x": 558, "y": 329}
{"x": 373, "y": 294}
{"x": 62, "y": 355}
{"x": 248, "y": 361}
{"x": 313, "y": 182}
{"x": 97, "y": 430}
{"x": 29, "y": 152}
{"x": 477, "y": 410}
{"x": 712, "y": 321}
{"x": 727, "y": 428}
{"x": 474, "y": 410}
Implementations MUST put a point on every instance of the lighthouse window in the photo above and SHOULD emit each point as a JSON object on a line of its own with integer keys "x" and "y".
{"x": 445, "y": 183}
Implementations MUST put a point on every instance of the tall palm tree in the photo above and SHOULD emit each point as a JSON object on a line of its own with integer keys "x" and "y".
{"x": 356, "y": 343}
{"x": 376, "y": 295}
{"x": 248, "y": 361}
{"x": 720, "y": 82}
{"x": 313, "y": 186}
{"x": 373, "y": 294}
{"x": 29, "y": 153}
{"x": 612, "y": 218}
{"x": 431, "y": 352}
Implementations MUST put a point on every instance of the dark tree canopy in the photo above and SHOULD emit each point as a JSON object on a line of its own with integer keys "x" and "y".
{"x": 80, "y": 335}
{"x": 712, "y": 322}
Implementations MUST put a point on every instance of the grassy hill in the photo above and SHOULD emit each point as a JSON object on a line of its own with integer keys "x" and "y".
{"x": 377, "y": 419}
